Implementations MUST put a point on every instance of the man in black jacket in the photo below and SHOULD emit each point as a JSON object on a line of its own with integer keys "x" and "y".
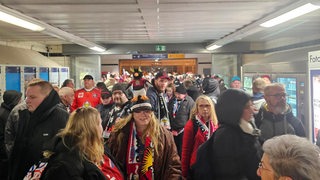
{"x": 179, "y": 110}
{"x": 275, "y": 116}
{"x": 10, "y": 99}
{"x": 36, "y": 125}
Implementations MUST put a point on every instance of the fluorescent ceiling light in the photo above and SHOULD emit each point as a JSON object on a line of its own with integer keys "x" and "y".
{"x": 290, "y": 15}
{"x": 19, "y": 22}
{"x": 14, "y": 17}
{"x": 212, "y": 47}
{"x": 95, "y": 48}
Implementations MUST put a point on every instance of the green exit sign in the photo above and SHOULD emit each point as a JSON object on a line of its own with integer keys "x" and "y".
{"x": 160, "y": 48}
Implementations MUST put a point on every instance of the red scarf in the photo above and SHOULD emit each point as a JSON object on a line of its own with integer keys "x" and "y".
{"x": 109, "y": 169}
{"x": 206, "y": 131}
{"x": 139, "y": 168}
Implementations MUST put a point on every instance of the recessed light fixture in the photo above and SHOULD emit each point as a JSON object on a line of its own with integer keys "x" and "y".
{"x": 291, "y": 15}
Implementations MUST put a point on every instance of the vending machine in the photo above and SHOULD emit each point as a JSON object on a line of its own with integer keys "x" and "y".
{"x": 290, "y": 84}
{"x": 247, "y": 84}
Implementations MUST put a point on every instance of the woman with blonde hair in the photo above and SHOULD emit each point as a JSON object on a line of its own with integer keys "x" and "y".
{"x": 203, "y": 122}
{"x": 77, "y": 151}
{"x": 142, "y": 146}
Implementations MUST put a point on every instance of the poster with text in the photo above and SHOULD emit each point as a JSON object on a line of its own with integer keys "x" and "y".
{"x": 315, "y": 98}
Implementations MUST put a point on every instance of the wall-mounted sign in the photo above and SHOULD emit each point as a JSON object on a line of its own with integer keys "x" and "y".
{"x": 172, "y": 56}
{"x": 160, "y": 48}
{"x": 149, "y": 56}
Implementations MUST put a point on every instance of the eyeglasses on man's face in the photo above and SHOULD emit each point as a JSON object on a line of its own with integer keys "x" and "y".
{"x": 279, "y": 95}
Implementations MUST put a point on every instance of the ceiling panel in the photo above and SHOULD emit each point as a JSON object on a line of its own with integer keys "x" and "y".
{"x": 154, "y": 21}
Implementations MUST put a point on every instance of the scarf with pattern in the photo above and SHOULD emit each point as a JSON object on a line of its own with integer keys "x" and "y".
{"x": 139, "y": 156}
{"x": 204, "y": 129}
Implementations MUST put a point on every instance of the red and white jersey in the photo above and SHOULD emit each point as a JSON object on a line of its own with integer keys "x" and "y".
{"x": 84, "y": 98}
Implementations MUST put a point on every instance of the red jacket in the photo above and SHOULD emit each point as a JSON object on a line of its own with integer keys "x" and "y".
{"x": 86, "y": 98}
{"x": 190, "y": 145}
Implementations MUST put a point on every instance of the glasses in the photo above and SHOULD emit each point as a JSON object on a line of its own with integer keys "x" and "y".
{"x": 279, "y": 95}
{"x": 260, "y": 167}
{"x": 204, "y": 106}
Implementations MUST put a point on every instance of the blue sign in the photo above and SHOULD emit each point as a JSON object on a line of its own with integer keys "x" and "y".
{"x": 149, "y": 56}
{"x": 54, "y": 69}
{"x": 44, "y": 73}
{"x": 64, "y": 69}
{"x": 13, "y": 78}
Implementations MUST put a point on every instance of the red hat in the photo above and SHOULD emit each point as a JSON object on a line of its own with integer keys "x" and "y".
{"x": 162, "y": 75}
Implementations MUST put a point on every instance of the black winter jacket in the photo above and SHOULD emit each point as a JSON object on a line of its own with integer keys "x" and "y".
{"x": 66, "y": 163}
{"x": 230, "y": 153}
{"x": 4, "y": 113}
{"x": 182, "y": 115}
{"x": 34, "y": 130}
{"x": 274, "y": 125}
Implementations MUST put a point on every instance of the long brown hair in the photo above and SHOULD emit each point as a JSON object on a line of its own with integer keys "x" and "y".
{"x": 82, "y": 127}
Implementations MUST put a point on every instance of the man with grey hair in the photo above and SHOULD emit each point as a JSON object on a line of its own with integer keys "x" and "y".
{"x": 289, "y": 157}
{"x": 66, "y": 95}
{"x": 275, "y": 116}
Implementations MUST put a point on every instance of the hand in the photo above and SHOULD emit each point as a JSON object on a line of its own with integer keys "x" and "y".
{"x": 174, "y": 133}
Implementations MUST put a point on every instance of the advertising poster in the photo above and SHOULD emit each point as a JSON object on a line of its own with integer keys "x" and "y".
{"x": 44, "y": 73}
{"x": 13, "y": 78}
{"x": 314, "y": 90}
{"x": 315, "y": 98}
{"x": 29, "y": 74}
{"x": 54, "y": 76}
{"x": 64, "y": 74}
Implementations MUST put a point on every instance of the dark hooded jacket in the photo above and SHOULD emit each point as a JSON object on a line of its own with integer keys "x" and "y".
{"x": 34, "y": 130}
{"x": 230, "y": 153}
{"x": 211, "y": 88}
{"x": 10, "y": 99}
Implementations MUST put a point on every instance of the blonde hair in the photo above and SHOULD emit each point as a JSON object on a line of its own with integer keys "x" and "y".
{"x": 45, "y": 86}
{"x": 153, "y": 130}
{"x": 194, "y": 110}
{"x": 258, "y": 85}
{"x": 82, "y": 127}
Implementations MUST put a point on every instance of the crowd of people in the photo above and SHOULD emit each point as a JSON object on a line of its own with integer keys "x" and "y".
{"x": 159, "y": 127}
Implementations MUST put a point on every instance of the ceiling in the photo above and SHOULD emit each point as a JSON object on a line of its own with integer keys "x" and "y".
{"x": 158, "y": 21}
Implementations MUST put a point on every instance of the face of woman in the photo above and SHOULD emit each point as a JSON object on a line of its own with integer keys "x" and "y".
{"x": 169, "y": 92}
{"x": 142, "y": 118}
{"x": 248, "y": 111}
{"x": 204, "y": 108}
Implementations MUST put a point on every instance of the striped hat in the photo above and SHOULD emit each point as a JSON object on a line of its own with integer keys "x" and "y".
{"x": 140, "y": 102}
